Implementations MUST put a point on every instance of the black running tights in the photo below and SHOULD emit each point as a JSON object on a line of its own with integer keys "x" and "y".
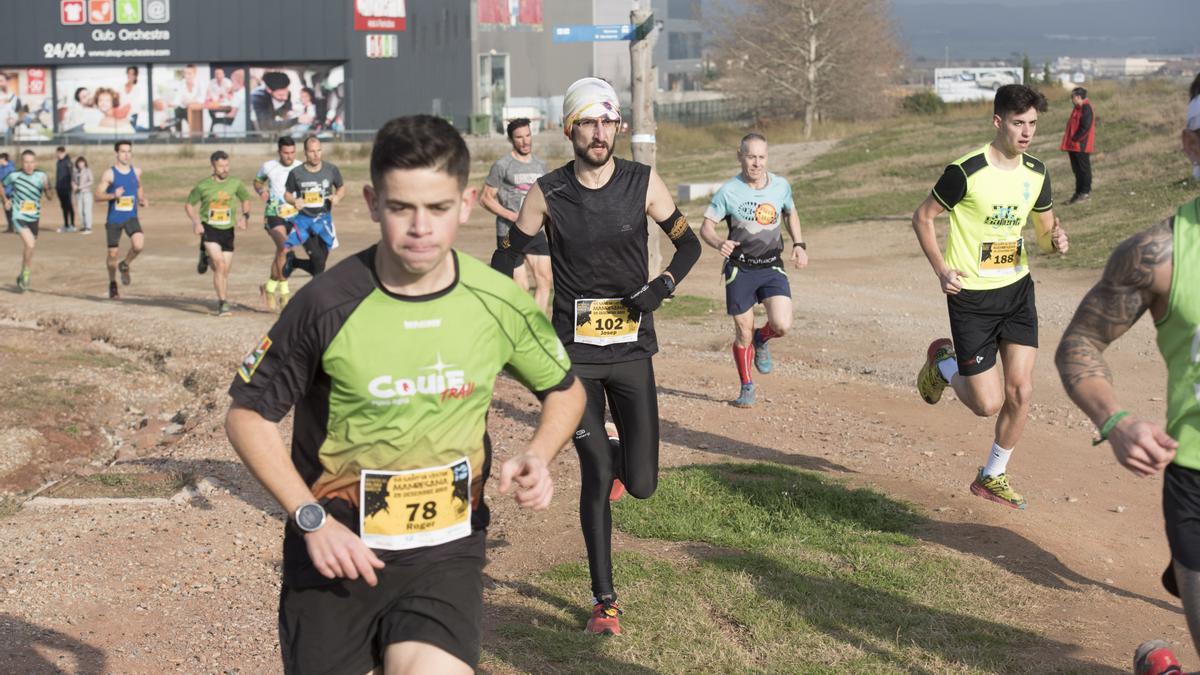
{"x": 629, "y": 390}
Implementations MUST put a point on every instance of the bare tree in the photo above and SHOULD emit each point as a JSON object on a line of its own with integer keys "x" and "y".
{"x": 808, "y": 57}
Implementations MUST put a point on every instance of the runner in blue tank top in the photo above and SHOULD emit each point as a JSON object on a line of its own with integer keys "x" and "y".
{"x": 121, "y": 187}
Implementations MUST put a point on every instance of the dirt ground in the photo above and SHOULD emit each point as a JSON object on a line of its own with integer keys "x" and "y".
{"x": 190, "y": 585}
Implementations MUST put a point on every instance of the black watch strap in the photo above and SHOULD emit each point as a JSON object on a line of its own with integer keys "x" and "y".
{"x": 801, "y": 245}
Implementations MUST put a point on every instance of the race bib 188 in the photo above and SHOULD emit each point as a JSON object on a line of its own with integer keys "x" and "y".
{"x": 1000, "y": 258}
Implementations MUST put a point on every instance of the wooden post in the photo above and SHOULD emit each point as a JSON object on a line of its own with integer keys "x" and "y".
{"x": 644, "y": 86}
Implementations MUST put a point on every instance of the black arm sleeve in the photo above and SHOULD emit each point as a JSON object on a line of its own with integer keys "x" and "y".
{"x": 687, "y": 246}
{"x": 1085, "y": 123}
{"x": 509, "y": 252}
{"x": 951, "y": 187}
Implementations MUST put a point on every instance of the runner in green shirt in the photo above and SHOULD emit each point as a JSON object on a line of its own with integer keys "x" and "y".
{"x": 213, "y": 221}
{"x": 1155, "y": 270}
{"x": 27, "y": 187}
{"x": 390, "y": 359}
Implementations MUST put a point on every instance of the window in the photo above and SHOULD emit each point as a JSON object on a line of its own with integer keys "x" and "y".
{"x": 683, "y": 9}
{"x": 683, "y": 45}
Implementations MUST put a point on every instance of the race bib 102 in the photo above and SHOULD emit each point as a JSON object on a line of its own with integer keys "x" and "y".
{"x": 605, "y": 321}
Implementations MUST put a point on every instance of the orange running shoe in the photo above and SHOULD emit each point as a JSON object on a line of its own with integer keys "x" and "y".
{"x": 618, "y": 488}
{"x": 604, "y": 619}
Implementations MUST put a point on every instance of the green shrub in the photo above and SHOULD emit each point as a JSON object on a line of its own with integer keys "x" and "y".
{"x": 924, "y": 103}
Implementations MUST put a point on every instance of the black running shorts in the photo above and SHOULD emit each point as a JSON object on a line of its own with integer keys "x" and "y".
{"x": 223, "y": 238}
{"x": 1181, "y": 511}
{"x": 276, "y": 221}
{"x": 539, "y": 245}
{"x": 981, "y": 320}
{"x": 113, "y": 231}
{"x": 346, "y": 626}
{"x": 31, "y": 225}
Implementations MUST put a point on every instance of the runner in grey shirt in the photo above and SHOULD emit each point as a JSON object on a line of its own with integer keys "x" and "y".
{"x": 504, "y": 191}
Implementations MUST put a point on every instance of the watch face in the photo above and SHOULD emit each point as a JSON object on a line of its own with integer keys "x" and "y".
{"x": 310, "y": 517}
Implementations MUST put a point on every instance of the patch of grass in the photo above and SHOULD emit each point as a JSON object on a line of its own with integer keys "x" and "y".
{"x": 72, "y": 430}
{"x": 686, "y": 306}
{"x": 136, "y": 485}
{"x": 777, "y": 570}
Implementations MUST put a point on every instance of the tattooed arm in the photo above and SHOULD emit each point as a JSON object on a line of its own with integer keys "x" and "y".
{"x": 1137, "y": 278}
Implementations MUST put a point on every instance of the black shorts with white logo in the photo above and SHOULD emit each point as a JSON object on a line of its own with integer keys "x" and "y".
{"x": 346, "y": 626}
{"x": 981, "y": 320}
{"x": 222, "y": 238}
{"x": 1181, "y": 513}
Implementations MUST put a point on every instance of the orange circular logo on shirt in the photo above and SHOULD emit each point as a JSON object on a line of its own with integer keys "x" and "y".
{"x": 765, "y": 214}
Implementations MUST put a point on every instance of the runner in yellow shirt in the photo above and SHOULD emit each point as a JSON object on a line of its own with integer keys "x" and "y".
{"x": 984, "y": 273}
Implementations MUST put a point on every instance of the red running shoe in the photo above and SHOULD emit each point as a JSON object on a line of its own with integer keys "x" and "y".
{"x": 1154, "y": 657}
{"x": 618, "y": 488}
{"x": 604, "y": 619}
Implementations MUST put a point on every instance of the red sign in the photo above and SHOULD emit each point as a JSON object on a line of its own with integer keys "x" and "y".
{"x": 100, "y": 12}
{"x": 73, "y": 13}
{"x": 379, "y": 15}
{"x": 35, "y": 82}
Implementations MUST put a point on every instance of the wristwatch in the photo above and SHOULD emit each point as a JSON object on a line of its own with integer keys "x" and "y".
{"x": 801, "y": 245}
{"x": 309, "y": 517}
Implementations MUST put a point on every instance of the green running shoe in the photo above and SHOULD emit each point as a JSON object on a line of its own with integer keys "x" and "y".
{"x": 23, "y": 280}
{"x": 224, "y": 309}
{"x": 996, "y": 489}
{"x": 930, "y": 382}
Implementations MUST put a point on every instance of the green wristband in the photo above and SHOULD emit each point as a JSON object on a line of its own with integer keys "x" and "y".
{"x": 1109, "y": 424}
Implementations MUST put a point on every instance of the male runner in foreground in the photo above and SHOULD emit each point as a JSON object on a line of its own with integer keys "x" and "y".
{"x": 984, "y": 273}
{"x": 121, "y": 187}
{"x": 505, "y": 187}
{"x": 753, "y": 205}
{"x": 213, "y": 221}
{"x": 596, "y": 208}
{"x": 313, "y": 188}
{"x": 271, "y": 185}
{"x": 22, "y": 193}
{"x": 390, "y": 360}
{"x": 1157, "y": 269}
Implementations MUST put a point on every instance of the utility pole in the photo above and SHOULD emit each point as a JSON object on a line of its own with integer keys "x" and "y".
{"x": 644, "y": 84}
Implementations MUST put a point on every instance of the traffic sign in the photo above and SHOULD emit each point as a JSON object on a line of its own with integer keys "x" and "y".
{"x": 588, "y": 33}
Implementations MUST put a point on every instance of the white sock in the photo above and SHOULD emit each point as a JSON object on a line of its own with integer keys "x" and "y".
{"x": 997, "y": 461}
{"x": 948, "y": 368}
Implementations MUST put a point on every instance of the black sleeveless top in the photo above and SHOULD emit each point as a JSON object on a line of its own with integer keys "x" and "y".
{"x": 598, "y": 250}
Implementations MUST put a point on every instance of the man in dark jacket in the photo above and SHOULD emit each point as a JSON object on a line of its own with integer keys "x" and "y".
{"x": 62, "y": 185}
{"x": 1078, "y": 142}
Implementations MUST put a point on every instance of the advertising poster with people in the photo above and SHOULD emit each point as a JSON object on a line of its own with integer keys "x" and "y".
{"x": 25, "y": 105}
{"x": 298, "y": 100}
{"x": 193, "y": 100}
{"x": 100, "y": 100}
{"x": 510, "y": 15}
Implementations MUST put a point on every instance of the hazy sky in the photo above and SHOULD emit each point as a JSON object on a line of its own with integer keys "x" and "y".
{"x": 1048, "y": 28}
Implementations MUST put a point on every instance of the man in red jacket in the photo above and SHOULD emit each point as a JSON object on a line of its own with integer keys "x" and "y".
{"x": 1078, "y": 141}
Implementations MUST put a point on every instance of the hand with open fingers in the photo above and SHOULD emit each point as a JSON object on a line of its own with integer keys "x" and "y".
{"x": 727, "y": 247}
{"x": 531, "y": 476}
{"x": 338, "y": 553}
{"x": 1058, "y": 237}
{"x": 1142, "y": 447}
{"x": 951, "y": 283}
{"x": 120, "y": 191}
{"x": 799, "y": 257}
{"x": 197, "y": 228}
{"x": 241, "y": 223}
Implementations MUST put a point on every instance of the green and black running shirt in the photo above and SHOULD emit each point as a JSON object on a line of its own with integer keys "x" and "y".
{"x": 988, "y": 208}
{"x": 394, "y": 383}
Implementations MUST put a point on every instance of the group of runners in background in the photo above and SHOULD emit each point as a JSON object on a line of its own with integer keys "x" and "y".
{"x": 393, "y": 354}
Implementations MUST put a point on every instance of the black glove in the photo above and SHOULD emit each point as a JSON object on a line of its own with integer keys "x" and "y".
{"x": 649, "y": 297}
